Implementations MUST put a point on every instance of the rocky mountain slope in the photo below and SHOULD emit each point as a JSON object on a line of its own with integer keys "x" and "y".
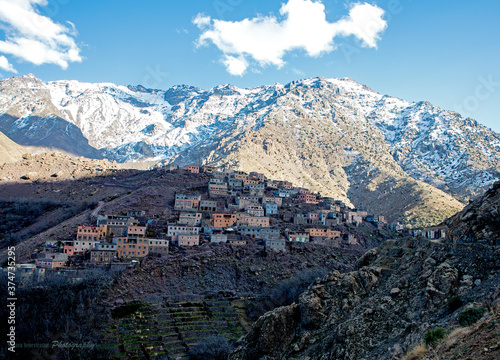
{"x": 479, "y": 222}
{"x": 334, "y": 136}
{"x": 398, "y": 292}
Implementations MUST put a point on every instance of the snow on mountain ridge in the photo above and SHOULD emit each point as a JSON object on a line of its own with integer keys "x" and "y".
{"x": 130, "y": 123}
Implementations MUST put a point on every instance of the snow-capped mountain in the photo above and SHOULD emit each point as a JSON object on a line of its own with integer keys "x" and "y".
{"x": 335, "y": 136}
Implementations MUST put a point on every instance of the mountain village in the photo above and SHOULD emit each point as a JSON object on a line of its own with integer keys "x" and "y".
{"x": 234, "y": 208}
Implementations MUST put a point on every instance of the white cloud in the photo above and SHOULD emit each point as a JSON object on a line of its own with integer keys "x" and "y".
{"x": 266, "y": 39}
{"x": 202, "y": 21}
{"x": 33, "y": 37}
{"x": 235, "y": 66}
{"x": 6, "y": 65}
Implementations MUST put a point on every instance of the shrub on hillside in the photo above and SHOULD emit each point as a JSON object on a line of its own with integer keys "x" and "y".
{"x": 470, "y": 316}
{"x": 433, "y": 336}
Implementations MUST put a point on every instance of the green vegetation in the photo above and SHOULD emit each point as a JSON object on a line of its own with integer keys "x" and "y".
{"x": 433, "y": 336}
{"x": 470, "y": 316}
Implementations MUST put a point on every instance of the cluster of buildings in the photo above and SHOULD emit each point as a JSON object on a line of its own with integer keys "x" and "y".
{"x": 234, "y": 207}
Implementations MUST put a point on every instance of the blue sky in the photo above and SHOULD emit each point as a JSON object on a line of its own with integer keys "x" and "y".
{"x": 443, "y": 51}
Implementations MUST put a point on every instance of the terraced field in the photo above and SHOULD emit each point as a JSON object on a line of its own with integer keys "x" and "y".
{"x": 172, "y": 328}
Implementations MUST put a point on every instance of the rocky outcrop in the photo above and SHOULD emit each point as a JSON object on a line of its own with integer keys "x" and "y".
{"x": 479, "y": 222}
{"x": 399, "y": 291}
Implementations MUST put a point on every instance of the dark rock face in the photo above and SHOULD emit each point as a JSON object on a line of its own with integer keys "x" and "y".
{"x": 271, "y": 335}
{"x": 399, "y": 291}
{"x": 479, "y": 222}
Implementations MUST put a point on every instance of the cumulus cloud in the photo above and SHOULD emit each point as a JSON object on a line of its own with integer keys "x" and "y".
{"x": 6, "y": 65}
{"x": 33, "y": 37}
{"x": 302, "y": 26}
{"x": 235, "y": 66}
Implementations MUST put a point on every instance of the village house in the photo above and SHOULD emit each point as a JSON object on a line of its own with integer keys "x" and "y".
{"x": 272, "y": 185}
{"x": 136, "y": 213}
{"x": 323, "y": 233}
{"x": 297, "y": 236}
{"x": 239, "y": 175}
{"x": 282, "y": 193}
{"x": 192, "y": 168}
{"x": 223, "y": 220}
{"x": 378, "y": 221}
{"x": 217, "y": 188}
{"x": 186, "y": 240}
{"x": 218, "y": 238}
{"x": 52, "y": 260}
{"x": 270, "y": 233}
{"x": 350, "y": 239}
{"x": 271, "y": 199}
{"x": 105, "y": 246}
{"x": 110, "y": 231}
{"x": 256, "y": 189}
{"x": 208, "y": 205}
{"x": 355, "y": 216}
{"x": 130, "y": 248}
{"x": 190, "y": 219}
{"x": 246, "y": 219}
{"x": 80, "y": 247}
{"x": 329, "y": 206}
{"x": 257, "y": 175}
{"x": 235, "y": 183}
{"x": 136, "y": 231}
{"x": 158, "y": 245}
{"x": 275, "y": 244}
{"x": 219, "y": 175}
{"x": 396, "y": 226}
{"x": 271, "y": 209}
{"x": 186, "y": 202}
{"x": 300, "y": 219}
{"x": 208, "y": 169}
{"x": 251, "y": 231}
{"x": 254, "y": 210}
{"x": 244, "y": 201}
{"x": 69, "y": 248}
{"x": 236, "y": 241}
{"x": 103, "y": 253}
{"x": 88, "y": 233}
{"x": 307, "y": 198}
{"x": 182, "y": 230}
{"x": 314, "y": 218}
{"x": 333, "y": 242}
{"x": 116, "y": 220}
{"x": 248, "y": 181}
{"x": 438, "y": 232}
{"x": 285, "y": 185}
